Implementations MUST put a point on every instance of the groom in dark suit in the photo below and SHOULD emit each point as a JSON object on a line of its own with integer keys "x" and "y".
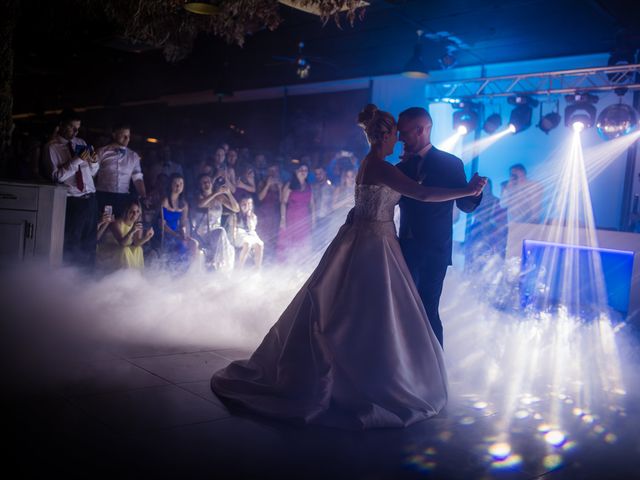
{"x": 426, "y": 229}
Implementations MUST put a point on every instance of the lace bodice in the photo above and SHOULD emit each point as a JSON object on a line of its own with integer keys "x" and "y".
{"x": 375, "y": 203}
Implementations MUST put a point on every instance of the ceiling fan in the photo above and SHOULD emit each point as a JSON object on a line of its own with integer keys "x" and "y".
{"x": 302, "y": 62}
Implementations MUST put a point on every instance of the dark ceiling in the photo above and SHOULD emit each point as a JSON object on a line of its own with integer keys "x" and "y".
{"x": 64, "y": 57}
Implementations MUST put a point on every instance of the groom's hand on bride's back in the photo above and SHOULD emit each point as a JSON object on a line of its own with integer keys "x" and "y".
{"x": 476, "y": 184}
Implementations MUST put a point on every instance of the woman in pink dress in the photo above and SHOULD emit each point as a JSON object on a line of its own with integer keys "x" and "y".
{"x": 296, "y": 217}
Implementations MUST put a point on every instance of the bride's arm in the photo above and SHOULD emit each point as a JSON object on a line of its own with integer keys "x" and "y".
{"x": 395, "y": 179}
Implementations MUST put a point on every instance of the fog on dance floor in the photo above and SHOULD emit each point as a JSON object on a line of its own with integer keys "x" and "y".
{"x": 555, "y": 381}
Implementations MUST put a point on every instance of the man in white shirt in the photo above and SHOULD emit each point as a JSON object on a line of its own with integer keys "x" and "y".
{"x": 119, "y": 165}
{"x": 73, "y": 163}
{"x": 522, "y": 197}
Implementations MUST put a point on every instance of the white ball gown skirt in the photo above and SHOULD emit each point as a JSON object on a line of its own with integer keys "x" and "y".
{"x": 354, "y": 349}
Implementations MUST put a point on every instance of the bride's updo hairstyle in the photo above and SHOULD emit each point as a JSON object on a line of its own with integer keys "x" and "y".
{"x": 375, "y": 123}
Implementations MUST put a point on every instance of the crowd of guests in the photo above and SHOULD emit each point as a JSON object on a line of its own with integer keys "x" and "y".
{"x": 228, "y": 209}
{"x": 222, "y": 212}
{"x": 521, "y": 201}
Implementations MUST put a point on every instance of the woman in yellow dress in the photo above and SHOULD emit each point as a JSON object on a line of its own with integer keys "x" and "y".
{"x": 120, "y": 244}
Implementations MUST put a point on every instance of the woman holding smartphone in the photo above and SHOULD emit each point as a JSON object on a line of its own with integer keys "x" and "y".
{"x": 121, "y": 244}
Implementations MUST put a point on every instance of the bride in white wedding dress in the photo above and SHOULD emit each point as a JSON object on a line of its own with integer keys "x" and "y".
{"x": 354, "y": 348}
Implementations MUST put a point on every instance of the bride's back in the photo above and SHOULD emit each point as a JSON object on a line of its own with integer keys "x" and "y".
{"x": 375, "y": 203}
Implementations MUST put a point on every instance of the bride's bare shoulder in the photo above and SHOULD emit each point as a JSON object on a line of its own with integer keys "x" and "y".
{"x": 384, "y": 169}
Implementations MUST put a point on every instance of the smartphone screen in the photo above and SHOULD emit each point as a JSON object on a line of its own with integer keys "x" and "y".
{"x": 108, "y": 210}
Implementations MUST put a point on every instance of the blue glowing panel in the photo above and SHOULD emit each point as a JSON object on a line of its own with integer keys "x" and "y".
{"x": 540, "y": 287}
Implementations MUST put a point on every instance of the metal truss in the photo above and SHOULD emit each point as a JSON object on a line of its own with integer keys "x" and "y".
{"x": 547, "y": 83}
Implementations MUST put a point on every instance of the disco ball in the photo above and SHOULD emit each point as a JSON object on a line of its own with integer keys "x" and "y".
{"x": 616, "y": 120}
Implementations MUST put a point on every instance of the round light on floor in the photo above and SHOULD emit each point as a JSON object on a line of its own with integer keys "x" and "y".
{"x": 500, "y": 450}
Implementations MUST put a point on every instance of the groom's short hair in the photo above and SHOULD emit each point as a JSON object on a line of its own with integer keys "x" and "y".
{"x": 414, "y": 113}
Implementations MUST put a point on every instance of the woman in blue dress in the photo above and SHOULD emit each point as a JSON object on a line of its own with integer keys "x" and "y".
{"x": 177, "y": 242}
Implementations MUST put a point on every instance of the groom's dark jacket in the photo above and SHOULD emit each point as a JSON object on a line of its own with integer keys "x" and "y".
{"x": 428, "y": 226}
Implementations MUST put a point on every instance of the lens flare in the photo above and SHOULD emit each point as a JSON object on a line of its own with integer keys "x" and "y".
{"x": 449, "y": 144}
{"x": 477, "y": 147}
{"x": 463, "y": 130}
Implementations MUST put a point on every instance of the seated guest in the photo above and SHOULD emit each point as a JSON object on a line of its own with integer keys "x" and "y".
{"x": 119, "y": 165}
{"x": 344, "y": 160}
{"x": 344, "y": 194}
{"x": 121, "y": 244}
{"x": 232, "y": 166}
{"x": 174, "y": 219}
{"x": 261, "y": 166}
{"x": 246, "y": 182}
{"x": 220, "y": 164}
{"x": 269, "y": 193}
{"x": 202, "y": 166}
{"x": 323, "y": 201}
{"x": 207, "y": 223}
{"x": 73, "y": 163}
{"x": 246, "y": 237}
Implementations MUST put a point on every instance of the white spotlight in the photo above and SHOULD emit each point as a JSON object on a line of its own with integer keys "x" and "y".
{"x": 512, "y": 128}
{"x": 578, "y": 126}
{"x": 463, "y": 130}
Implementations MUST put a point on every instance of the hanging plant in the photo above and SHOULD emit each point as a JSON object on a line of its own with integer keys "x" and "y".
{"x": 168, "y": 25}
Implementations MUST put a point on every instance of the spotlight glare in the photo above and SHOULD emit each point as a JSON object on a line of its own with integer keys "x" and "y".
{"x": 577, "y": 126}
{"x": 462, "y": 130}
{"x": 512, "y": 128}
